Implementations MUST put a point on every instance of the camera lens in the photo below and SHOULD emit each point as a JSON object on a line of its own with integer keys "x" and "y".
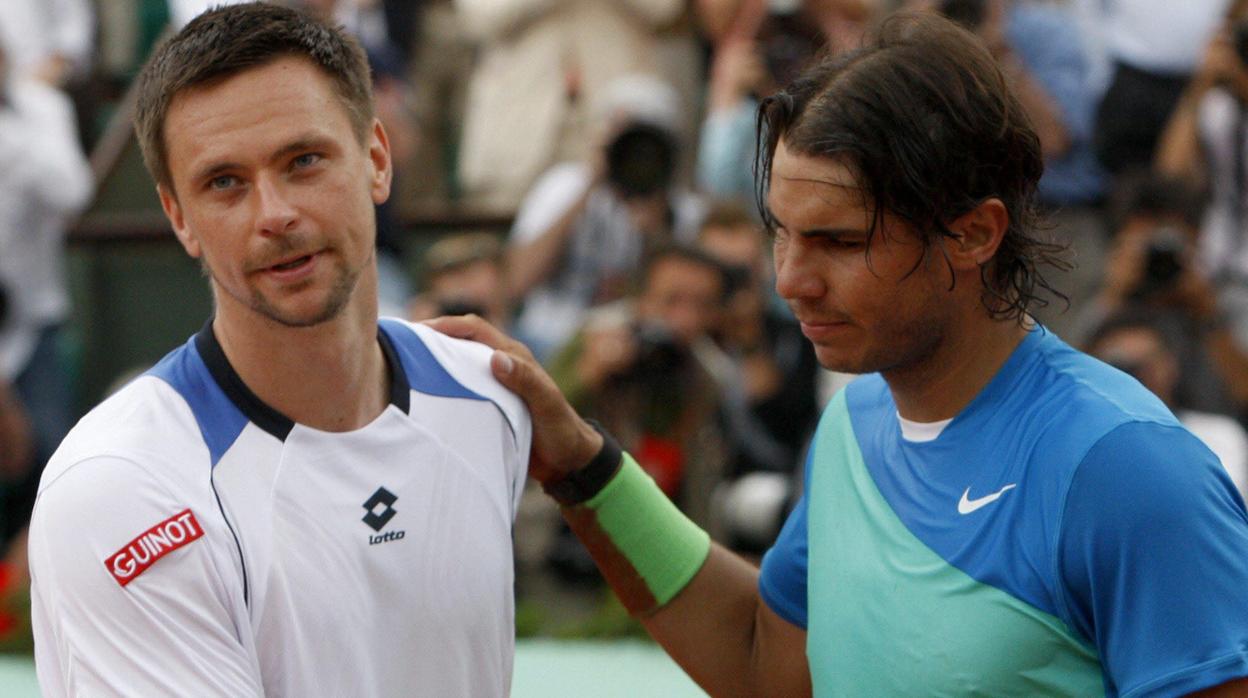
{"x": 640, "y": 161}
{"x": 1163, "y": 261}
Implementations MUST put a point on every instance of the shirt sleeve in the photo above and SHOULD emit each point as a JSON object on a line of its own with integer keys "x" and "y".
{"x": 174, "y": 628}
{"x": 782, "y": 580}
{"x": 726, "y": 152}
{"x": 552, "y": 195}
{"x": 1153, "y": 562}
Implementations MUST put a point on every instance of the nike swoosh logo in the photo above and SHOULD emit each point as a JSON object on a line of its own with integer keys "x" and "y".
{"x": 966, "y": 505}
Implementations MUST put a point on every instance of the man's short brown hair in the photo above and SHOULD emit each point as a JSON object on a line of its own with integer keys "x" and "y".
{"x": 229, "y": 40}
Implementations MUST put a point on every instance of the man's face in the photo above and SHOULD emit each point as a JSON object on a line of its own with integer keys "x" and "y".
{"x": 862, "y": 318}
{"x": 684, "y": 296}
{"x": 275, "y": 193}
{"x": 478, "y": 284}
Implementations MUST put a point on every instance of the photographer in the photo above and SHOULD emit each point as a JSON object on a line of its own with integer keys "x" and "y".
{"x": 582, "y": 231}
{"x": 640, "y": 366}
{"x": 1153, "y": 264}
{"x": 1205, "y": 140}
{"x": 463, "y": 274}
{"x": 45, "y": 184}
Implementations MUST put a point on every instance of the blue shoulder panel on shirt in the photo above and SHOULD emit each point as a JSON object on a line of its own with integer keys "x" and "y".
{"x": 424, "y": 373}
{"x": 1154, "y": 560}
{"x": 220, "y": 421}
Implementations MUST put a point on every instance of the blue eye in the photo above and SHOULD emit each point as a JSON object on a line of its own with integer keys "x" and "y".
{"x": 306, "y": 160}
{"x": 222, "y": 182}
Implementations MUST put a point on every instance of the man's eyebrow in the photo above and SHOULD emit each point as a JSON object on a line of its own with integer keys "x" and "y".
{"x": 833, "y": 233}
{"x": 300, "y": 144}
{"x": 212, "y": 170}
{"x": 825, "y": 182}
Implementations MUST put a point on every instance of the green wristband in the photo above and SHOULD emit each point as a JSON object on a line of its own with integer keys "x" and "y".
{"x": 661, "y": 544}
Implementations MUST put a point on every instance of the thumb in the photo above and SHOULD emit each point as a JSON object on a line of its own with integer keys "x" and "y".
{"x": 504, "y": 367}
{"x": 521, "y": 379}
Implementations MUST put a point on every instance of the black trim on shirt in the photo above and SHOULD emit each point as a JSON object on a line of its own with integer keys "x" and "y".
{"x": 252, "y": 407}
{"x": 400, "y": 389}
{"x": 242, "y": 559}
{"x": 259, "y": 412}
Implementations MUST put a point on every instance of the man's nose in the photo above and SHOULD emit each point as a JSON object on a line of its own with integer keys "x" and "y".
{"x": 275, "y": 212}
{"x": 795, "y": 276}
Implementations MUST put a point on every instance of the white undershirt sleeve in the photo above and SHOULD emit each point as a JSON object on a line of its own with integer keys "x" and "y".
{"x": 178, "y": 627}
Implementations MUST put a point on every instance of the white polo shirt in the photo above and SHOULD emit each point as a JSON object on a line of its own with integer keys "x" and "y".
{"x": 190, "y": 540}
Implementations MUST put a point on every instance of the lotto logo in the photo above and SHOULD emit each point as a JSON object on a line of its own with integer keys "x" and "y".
{"x": 153, "y": 544}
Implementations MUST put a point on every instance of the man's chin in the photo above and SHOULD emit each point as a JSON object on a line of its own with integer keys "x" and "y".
{"x": 301, "y": 315}
{"x": 838, "y": 360}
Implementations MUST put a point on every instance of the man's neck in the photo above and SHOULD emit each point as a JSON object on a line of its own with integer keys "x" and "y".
{"x": 942, "y": 385}
{"x": 332, "y": 376}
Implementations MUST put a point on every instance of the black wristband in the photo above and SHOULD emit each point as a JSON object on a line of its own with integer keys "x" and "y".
{"x": 581, "y": 485}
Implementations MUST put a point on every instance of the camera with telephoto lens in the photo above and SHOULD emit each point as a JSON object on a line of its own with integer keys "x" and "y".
{"x": 641, "y": 160}
{"x": 1163, "y": 261}
{"x": 460, "y": 306}
{"x": 661, "y": 358}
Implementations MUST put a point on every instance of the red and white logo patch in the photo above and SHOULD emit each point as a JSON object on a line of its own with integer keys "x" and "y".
{"x": 151, "y": 545}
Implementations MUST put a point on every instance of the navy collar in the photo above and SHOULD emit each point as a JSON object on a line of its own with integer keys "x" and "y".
{"x": 261, "y": 413}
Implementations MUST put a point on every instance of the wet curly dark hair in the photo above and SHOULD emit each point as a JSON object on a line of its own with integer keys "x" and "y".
{"x": 926, "y": 121}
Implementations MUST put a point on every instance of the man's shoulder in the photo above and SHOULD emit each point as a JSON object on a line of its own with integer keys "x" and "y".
{"x": 147, "y": 424}
{"x": 1093, "y": 416}
{"x": 447, "y": 367}
{"x": 1085, "y": 394}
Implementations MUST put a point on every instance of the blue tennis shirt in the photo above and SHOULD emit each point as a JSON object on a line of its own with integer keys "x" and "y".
{"x": 1063, "y": 535}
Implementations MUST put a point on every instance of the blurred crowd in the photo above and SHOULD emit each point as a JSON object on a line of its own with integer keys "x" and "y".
{"x": 617, "y": 137}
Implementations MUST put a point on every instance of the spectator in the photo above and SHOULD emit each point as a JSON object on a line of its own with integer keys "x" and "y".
{"x": 1133, "y": 342}
{"x": 47, "y": 40}
{"x": 1205, "y": 141}
{"x": 1154, "y": 48}
{"x": 463, "y": 274}
{"x": 757, "y": 48}
{"x": 581, "y": 233}
{"x": 46, "y": 184}
{"x": 769, "y": 386}
{"x": 637, "y": 366}
{"x": 726, "y": 141}
{"x": 773, "y": 364}
{"x": 542, "y": 66}
{"x": 1153, "y": 264}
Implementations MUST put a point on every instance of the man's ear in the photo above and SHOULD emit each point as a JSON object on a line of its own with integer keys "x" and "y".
{"x": 173, "y": 211}
{"x": 977, "y": 234}
{"x": 382, "y": 168}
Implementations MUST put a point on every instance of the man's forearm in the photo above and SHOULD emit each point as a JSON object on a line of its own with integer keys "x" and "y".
{"x": 702, "y": 605}
{"x": 719, "y": 630}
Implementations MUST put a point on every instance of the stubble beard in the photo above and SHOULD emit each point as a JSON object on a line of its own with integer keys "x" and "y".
{"x": 335, "y": 301}
{"x": 898, "y": 348}
{"x": 339, "y": 295}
